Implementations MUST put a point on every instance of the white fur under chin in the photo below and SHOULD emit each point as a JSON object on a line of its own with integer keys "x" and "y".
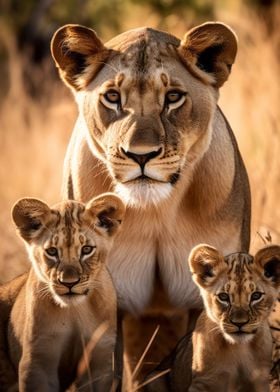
{"x": 238, "y": 339}
{"x": 142, "y": 195}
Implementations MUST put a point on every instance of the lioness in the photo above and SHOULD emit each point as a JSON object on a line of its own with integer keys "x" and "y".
{"x": 66, "y": 302}
{"x": 150, "y": 129}
{"x": 232, "y": 343}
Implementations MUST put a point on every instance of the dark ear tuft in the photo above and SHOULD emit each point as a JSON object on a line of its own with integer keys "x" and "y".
{"x": 109, "y": 211}
{"x": 211, "y": 48}
{"x": 268, "y": 260}
{"x": 272, "y": 269}
{"x": 205, "y": 263}
{"x": 29, "y": 215}
{"x": 104, "y": 219}
{"x": 75, "y": 48}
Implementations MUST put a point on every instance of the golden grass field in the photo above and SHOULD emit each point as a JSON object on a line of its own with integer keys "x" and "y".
{"x": 35, "y": 132}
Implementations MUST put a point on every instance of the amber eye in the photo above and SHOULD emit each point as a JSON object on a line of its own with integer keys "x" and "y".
{"x": 173, "y": 96}
{"x": 256, "y": 296}
{"x": 112, "y": 96}
{"x": 52, "y": 251}
{"x": 87, "y": 249}
{"x": 224, "y": 297}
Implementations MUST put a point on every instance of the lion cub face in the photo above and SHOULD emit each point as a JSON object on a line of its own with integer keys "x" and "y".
{"x": 68, "y": 242}
{"x": 147, "y": 100}
{"x": 238, "y": 290}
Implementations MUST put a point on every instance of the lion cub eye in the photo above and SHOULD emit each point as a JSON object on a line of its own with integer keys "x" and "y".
{"x": 112, "y": 96}
{"x": 256, "y": 296}
{"x": 224, "y": 297}
{"x": 87, "y": 250}
{"x": 52, "y": 251}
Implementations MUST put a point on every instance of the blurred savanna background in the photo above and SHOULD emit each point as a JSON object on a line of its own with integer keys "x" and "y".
{"x": 37, "y": 112}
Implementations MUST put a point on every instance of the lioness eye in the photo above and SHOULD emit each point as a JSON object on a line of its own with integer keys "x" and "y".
{"x": 173, "y": 96}
{"x": 87, "y": 249}
{"x": 112, "y": 96}
{"x": 256, "y": 295}
{"x": 52, "y": 251}
{"x": 224, "y": 297}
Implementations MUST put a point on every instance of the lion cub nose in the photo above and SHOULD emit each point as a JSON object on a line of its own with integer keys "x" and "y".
{"x": 142, "y": 159}
{"x": 69, "y": 277}
{"x": 239, "y": 318}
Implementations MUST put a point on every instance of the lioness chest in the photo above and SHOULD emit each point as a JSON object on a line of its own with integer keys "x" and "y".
{"x": 158, "y": 248}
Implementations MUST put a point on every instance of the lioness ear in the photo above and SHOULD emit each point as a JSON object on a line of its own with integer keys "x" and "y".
{"x": 210, "y": 47}
{"x": 29, "y": 215}
{"x": 78, "y": 54}
{"x": 205, "y": 262}
{"x": 109, "y": 211}
{"x": 268, "y": 259}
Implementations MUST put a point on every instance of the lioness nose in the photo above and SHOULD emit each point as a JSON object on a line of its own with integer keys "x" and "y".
{"x": 142, "y": 159}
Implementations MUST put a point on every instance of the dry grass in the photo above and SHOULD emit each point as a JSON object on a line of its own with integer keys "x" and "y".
{"x": 34, "y": 133}
{"x": 251, "y": 103}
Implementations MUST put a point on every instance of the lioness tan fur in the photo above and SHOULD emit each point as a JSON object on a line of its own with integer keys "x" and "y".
{"x": 59, "y": 319}
{"x": 232, "y": 343}
{"x": 150, "y": 129}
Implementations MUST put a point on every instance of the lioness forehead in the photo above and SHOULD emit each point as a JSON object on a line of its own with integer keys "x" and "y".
{"x": 141, "y": 48}
{"x": 145, "y": 34}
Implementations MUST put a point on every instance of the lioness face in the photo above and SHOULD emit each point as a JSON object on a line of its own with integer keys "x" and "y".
{"x": 148, "y": 122}
{"x": 238, "y": 290}
{"x": 68, "y": 243}
{"x": 147, "y": 101}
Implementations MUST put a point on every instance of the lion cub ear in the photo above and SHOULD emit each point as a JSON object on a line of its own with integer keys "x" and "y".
{"x": 109, "y": 211}
{"x": 211, "y": 48}
{"x": 205, "y": 263}
{"x": 268, "y": 260}
{"x": 78, "y": 54}
{"x": 29, "y": 216}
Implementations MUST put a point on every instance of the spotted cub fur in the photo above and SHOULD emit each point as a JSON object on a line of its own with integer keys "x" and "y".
{"x": 59, "y": 319}
{"x": 232, "y": 341}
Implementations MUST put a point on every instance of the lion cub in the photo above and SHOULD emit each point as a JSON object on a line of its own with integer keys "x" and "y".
{"x": 62, "y": 325}
{"x": 232, "y": 342}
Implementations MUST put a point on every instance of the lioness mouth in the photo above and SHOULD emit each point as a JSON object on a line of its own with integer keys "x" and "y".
{"x": 242, "y": 333}
{"x": 145, "y": 179}
{"x": 141, "y": 178}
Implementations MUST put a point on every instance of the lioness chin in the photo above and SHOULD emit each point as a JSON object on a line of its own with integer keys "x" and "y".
{"x": 59, "y": 319}
{"x": 150, "y": 129}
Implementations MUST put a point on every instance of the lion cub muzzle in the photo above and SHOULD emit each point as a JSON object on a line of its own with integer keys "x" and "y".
{"x": 239, "y": 317}
{"x": 69, "y": 277}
